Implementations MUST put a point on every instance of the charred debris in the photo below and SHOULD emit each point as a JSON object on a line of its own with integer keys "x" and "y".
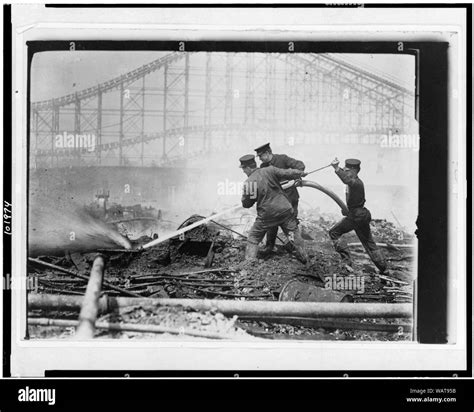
{"x": 206, "y": 263}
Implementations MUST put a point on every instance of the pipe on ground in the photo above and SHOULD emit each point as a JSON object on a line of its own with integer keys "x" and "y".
{"x": 233, "y": 307}
{"x": 90, "y": 302}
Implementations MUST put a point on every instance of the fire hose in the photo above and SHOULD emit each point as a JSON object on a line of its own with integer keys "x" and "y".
{"x": 330, "y": 193}
{"x": 307, "y": 183}
{"x": 303, "y": 183}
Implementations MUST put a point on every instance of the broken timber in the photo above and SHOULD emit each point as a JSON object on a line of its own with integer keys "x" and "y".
{"x": 387, "y": 245}
{"x": 69, "y": 272}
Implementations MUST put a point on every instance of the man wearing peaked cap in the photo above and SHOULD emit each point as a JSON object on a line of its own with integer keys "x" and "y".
{"x": 247, "y": 160}
{"x": 263, "y": 148}
{"x": 273, "y": 207}
{"x": 358, "y": 218}
{"x": 353, "y": 163}
{"x": 281, "y": 161}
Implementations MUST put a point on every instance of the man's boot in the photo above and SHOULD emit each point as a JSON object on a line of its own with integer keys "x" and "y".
{"x": 378, "y": 258}
{"x": 271, "y": 239}
{"x": 300, "y": 250}
{"x": 251, "y": 251}
{"x": 289, "y": 247}
{"x": 343, "y": 249}
{"x": 301, "y": 254}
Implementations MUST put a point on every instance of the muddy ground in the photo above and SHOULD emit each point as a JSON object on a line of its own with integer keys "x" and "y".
{"x": 167, "y": 271}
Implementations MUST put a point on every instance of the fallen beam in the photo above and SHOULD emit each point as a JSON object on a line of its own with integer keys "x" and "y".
{"x": 90, "y": 303}
{"x": 233, "y": 307}
{"x": 182, "y": 274}
{"x": 119, "y": 250}
{"x": 387, "y": 245}
{"x": 132, "y": 219}
{"x": 332, "y": 324}
{"x": 126, "y": 327}
{"x": 391, "y": 279}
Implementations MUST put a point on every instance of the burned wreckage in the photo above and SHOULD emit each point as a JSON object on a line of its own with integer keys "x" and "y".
{"x": 319, "y": 278}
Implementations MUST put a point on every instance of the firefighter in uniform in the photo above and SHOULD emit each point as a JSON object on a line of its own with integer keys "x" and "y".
{"x": 280, "y": 161}
{"x": 273, "y": 207}
{"x": 358, "y": 218}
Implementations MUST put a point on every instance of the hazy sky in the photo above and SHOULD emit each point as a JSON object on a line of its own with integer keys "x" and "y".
{"x": 58, "y": 73}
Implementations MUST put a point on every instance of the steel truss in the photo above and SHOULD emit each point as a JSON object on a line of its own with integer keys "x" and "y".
{"x": 185, "y": 104}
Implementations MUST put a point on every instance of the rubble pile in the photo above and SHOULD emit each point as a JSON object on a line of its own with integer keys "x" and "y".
{"x": 207, "y": 263}
{"x": 177, "y": 318}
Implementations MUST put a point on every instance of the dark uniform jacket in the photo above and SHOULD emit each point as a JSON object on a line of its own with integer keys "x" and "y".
{"x": 263, "y": 187}
{"x": 286, "y": 162}
{"x": 355, "y": 196}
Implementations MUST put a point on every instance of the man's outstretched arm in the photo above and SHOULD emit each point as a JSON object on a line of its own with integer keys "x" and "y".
{"x": 288, "y": 173}
{"x": 343, "y": 175}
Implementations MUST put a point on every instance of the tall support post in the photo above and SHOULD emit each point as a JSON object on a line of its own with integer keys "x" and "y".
{"x": 121, "y": 162}
{"x": 295, "y": 89}
{"x": 340, "y": 98}
{"x": 375, "y": 112}
{"x": 90, "y": 304}
{"x": 360, "y": 110}
{"x": 321, "y": 107}
{"x": 403, "y": 118}
{"x": 142, "y": 151}
{"x": 349, "y": 123}
{"x": 36, "y": 133}
{"x": 274, "y": 88}
{"x": 54, "y": 132}
{"x": 292, "y": 99}
{"x": 229, "y": 95}
{"x": 379, "y": 117}
{"x": 392, "y": 119}
{"x": 99, "y": 127}
{"x": 310, "y": 104}
{"x": 165, "y": 101}
{"x": 53, "y": 117}
{"x": 267, "y": 97}
{"x": 270, "y": 90}
{"x": 186, "y": 103}
{"x": 302, "y": 105}
{"x": 77, "y": 129}
{"x": 286, "y": 96}
{"x": 381, "y": 114}
{"x": 207, "y": 104}
{"x": 249, "y": 116}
